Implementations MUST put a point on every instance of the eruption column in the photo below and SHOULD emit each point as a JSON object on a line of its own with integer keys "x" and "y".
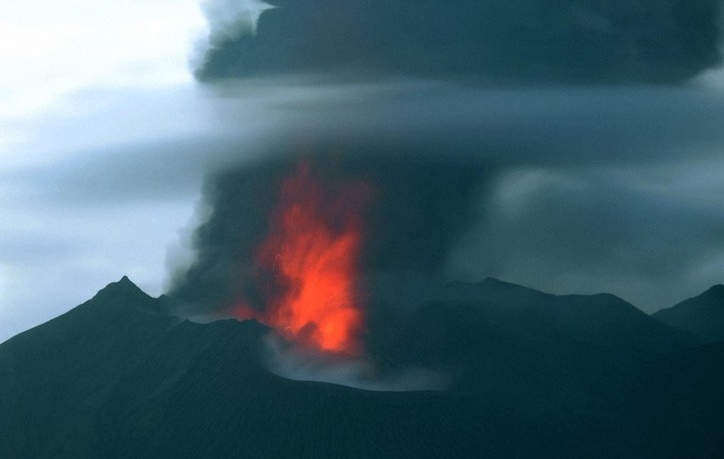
{"x": 308, "y": 265}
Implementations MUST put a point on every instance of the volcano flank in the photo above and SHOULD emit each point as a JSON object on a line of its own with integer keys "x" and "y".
{"x": 532, "y": 375}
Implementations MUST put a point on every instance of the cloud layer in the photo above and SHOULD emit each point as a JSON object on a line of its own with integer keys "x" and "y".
{"x": 522, "y": 40}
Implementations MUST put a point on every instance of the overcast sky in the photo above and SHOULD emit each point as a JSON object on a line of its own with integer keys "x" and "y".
{"x": 82, "y": 82}
{"x": 105, "y": 139}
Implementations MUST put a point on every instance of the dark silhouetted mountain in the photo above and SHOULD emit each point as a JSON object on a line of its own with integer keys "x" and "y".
{"x": 557, "y": 358}
{"x": 113, "y": 378}
{"x": 534, "y": 40}
{"x": 702, "y": 315}
{"x": 55, "y": 377}
{"x": 532, "y": 376}
{"x": 529, "y": 314}
{"x": 471, "y": 325}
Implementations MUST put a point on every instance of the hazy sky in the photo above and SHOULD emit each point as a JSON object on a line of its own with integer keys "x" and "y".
{"x": 82, "y": 81}
{"x": 105, "y": 139}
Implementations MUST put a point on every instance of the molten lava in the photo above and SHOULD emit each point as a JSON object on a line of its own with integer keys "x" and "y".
{"x": 307, "y": 267}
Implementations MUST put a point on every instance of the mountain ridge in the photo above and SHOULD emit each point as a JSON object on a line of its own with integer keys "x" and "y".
{"x": 584, "y": 317}
{"x": 701, "y": 315}
{"x": 116, "y": 378}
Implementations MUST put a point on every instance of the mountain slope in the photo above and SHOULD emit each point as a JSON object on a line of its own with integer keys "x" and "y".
{"x": 601, "y": 319}
{"x": 226, "y": 405}
{"x": 532, "y": 376}
{"x": 701, "y": 315}
{"x": 55, "y": 376}
{"x": 570, "y": 362}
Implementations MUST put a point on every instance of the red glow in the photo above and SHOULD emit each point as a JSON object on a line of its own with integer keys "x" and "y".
{"x": 309, "y": 264}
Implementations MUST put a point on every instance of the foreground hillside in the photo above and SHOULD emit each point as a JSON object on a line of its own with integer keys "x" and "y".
{"x": 530, "y": 375}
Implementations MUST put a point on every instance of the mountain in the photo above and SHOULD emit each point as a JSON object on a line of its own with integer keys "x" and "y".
{"x": 701, "y": 315}
{"x": 531, "y": 375}
{"x": 55, "y": 377}
{"x": 116, "y": 378}
{"x": 601, "y": 319}
{"x": 571, "y": 362}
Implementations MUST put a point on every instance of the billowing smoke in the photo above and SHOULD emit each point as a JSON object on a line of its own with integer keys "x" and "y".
{"x": 409, "y": 183}
{"x": 414, "y": 208}
{"x": 520, "y": 40}
{"x": 229, "y": 21}
{"x": 558, "y": 189}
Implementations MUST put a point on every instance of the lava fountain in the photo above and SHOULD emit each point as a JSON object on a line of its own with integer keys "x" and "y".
{"x": 307, "y": 267}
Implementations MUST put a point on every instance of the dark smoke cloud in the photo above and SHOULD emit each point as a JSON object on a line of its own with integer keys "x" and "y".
{"x": 420, "y": 205}
{"x": 567, "y": 190}
{"x": 531, "y": 40}
{"x": 496, "y": 171}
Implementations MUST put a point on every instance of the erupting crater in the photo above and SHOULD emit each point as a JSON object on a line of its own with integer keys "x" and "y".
{"x": 307, "y": 266}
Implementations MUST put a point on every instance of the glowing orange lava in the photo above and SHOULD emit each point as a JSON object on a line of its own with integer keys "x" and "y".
{"x": 309, "y": 264}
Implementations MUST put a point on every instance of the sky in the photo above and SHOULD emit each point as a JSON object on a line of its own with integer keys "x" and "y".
{"x": 106, "y": 140}
{"x": 81, "y": 81}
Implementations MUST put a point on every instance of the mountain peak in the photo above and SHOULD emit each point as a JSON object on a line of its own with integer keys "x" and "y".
{"x": 702, "y": 315}
{"x": 124, "y": 288}
{"x": 715, "y": 291}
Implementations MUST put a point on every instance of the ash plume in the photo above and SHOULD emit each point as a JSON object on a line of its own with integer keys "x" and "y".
{"x": 228, "y": 21}
{"x": 420, "y": 206}
{"x": 439, "y": 161}
{"x": 659, "y": 41}
{"x": 553, "y": 188}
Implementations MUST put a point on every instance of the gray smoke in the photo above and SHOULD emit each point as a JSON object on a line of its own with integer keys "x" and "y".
{"x": 505, "y": 166}
{"x": 303, "y": 365}
{"x": 421, "y": 203}
{"x": 566, "y": 190}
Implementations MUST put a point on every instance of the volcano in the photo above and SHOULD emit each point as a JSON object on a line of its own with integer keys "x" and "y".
{"x": 531, "y": 375}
